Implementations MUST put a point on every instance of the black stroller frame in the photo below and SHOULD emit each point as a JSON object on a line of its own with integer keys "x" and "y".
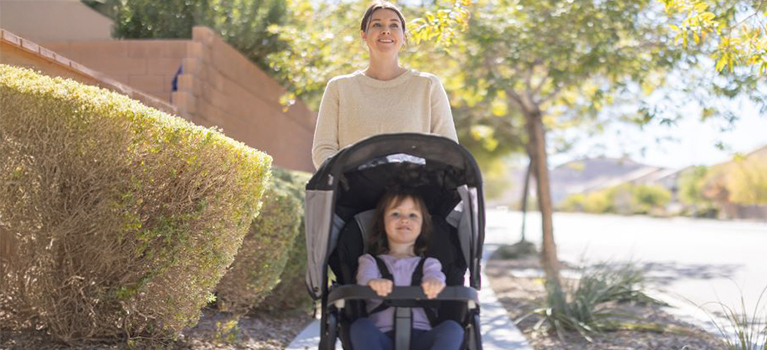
{"x": 339, "y": 199}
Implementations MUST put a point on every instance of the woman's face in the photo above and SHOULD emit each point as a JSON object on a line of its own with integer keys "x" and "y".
{"x": 403, "y": 222}
{"x": 384, "y": 32}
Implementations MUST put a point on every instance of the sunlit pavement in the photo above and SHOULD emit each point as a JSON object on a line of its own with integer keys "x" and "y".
{"x": 691, "y": 262}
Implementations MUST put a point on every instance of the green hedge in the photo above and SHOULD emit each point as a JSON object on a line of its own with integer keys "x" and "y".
{"x": 264, "y": 251}
{"x": 291, "y": 294}
{"x": 267, "y": 249}
{"x": 125, "y": 217}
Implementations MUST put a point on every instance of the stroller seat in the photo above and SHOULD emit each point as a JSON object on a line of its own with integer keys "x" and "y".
{"x": 444, "y": 246}
{"x": 339, "y": 217}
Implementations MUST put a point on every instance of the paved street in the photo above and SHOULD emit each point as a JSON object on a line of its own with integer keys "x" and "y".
{"x": 700, "y": 260}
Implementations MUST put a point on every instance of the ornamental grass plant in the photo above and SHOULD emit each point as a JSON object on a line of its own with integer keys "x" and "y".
{"x": 122, "y": 218}
{"x": 737, "y": 329}
{"x": 588, "y": 305}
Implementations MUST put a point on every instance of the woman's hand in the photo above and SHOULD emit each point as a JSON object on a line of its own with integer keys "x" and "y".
{"x": 381, "y": 286}
{"x": 432, "y": 287}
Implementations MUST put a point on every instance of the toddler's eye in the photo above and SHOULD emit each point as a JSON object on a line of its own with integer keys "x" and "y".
{"x": 414, "y": 216}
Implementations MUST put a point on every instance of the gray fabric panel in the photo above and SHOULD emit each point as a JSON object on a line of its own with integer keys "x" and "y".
{"x": 465, "y": 234}
{"x": 454, "y": 218}
{"x": 474, "y": 211}
{"x": 317, "y": 211}
{"x": 366, "y": 220}
{"x": 475, "y": 224}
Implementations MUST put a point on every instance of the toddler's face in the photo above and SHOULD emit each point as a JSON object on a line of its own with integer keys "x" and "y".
{"x": 403, "y": 222}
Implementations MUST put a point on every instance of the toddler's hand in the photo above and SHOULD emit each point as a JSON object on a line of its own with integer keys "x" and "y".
{"x": 381, "y": 286}
{"x": 432, "y": 287}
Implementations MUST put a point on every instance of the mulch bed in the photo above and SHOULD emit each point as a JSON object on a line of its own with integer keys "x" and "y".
{"x": 520, "y": 295}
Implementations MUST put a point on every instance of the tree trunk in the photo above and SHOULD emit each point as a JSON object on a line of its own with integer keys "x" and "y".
{"x": 537, "y": 151}
{"x": 525, "y": 193}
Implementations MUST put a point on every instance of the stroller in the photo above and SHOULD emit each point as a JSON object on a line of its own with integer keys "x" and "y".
{"x": 340, "y": 202}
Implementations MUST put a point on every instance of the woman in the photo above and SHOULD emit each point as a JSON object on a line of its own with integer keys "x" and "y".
{"x": 385, "y": 97}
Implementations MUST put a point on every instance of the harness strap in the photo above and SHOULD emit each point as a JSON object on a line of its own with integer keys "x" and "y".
{"x": 415, "y": 280}
{"x": 385, "y": 274}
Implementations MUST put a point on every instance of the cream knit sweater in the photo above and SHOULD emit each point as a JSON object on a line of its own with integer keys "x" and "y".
{"x": 356, "y": 106}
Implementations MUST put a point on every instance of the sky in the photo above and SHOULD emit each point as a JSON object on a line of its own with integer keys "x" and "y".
{"x": 690, "y": 142}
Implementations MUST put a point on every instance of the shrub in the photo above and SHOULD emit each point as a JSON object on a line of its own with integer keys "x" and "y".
{"x": 599, "y": 202}
{"x": 265, "y": 250}
{"x": 691, "y": 185}
{"x": 291, "y": 293}
{"x": 125, "y": 218}
{"x": 624, "y": 199}
{"x": 647, "y": 198}
{"x": 574, "y": 202}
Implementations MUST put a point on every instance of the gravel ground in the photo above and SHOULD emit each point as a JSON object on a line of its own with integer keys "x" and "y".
{"x": 259, "y": 331}
{"x": 519, "y": 296}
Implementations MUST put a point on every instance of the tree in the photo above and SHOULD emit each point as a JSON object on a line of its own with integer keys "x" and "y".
{"x": 323, "y": 41}
{"x": 734, "y": 28}
{"x": 241, "y": 23}
{"x": 747, "y": 181}
{"x": 523, "y": 68}
{"x": 692, "y": 183}
{"x": 558, "y": 64}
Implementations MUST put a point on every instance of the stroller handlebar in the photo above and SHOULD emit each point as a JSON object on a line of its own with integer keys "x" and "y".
{"x": 356, "y": 292}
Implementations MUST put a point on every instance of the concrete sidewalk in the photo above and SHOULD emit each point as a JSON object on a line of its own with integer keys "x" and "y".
{"x": 498, "y": 332}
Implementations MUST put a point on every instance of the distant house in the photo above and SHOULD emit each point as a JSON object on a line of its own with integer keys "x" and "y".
{"x": 588, "y": 175}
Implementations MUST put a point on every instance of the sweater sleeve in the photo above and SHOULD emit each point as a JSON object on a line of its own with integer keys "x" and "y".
{"x": 368, "y": 270}
{"x": 325, "y": 142}
{"x": 432, "y": 268}
{"x": 441, "y": 115}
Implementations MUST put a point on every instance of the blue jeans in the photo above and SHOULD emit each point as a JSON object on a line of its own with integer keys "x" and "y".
{"x": 364, "y": 335}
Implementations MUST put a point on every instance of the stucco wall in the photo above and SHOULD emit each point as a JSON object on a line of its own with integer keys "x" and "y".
{"x": 146, "y": 65}
{"x": 18, "y": 51}
{"x": 218, "y": 87}
{"x": 221, "y": 87}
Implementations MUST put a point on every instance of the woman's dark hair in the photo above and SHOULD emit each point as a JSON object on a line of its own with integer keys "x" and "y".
{"x": 377, "y": 6}
{"x": 379, "y": 243}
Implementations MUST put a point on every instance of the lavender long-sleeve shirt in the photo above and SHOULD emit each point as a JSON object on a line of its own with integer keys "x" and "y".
{"x": 402, "y": 271}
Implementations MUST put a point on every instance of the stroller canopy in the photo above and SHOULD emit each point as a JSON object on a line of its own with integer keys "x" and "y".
{"x": 353, "y": 180}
